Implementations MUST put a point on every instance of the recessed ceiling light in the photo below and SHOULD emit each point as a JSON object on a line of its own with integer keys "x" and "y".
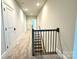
{"x": 26, "y": 9}
{"x": 31, "y": 14}
{"x": 38, "y": 4}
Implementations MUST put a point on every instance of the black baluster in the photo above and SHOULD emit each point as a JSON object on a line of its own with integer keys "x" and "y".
{"x": 38, "y": 42}
{"x": 32, "y": 42}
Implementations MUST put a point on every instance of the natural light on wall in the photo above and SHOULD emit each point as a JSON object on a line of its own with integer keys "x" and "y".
{"x": 45, "y": 12}
{"x": 44, "y": 16}
{"x": 22, "y": 17}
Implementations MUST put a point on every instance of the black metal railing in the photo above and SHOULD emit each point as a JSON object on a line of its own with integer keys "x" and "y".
{"x": 48, "y": 40}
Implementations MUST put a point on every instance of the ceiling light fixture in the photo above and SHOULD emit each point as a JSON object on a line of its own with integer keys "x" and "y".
{"x": 31, "y": 14}
{"x": 26, "y": 9}
{"x": 38, "y": 4}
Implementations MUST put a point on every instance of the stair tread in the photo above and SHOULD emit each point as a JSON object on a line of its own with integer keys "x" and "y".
{"x": 39, "y": 51}
{"x": 36, "y": 33}
{"x": 37, "y": 43}
{"x": 38, "y": 47}
{"x": 37, "y": 40}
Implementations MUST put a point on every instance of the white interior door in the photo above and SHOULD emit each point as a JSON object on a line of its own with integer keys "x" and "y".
{"x": 9, "y": 25}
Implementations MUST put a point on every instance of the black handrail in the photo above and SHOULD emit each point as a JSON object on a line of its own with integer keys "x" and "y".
{"x": 48, "y": 30}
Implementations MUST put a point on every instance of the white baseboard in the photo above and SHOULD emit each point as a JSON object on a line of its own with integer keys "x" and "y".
{"x": 60, "y": 54}
{"x": 6, "y": 53}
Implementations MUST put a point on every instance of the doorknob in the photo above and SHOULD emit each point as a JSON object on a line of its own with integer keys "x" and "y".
{"x": 5, "y": 29}
{"x": 14, "y": 29}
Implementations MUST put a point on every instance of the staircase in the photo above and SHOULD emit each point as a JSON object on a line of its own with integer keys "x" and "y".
{"x": 44, "y": 42}
{"x": 37, "y": 44}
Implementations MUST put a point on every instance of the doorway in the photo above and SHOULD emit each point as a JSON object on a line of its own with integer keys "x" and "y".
{"x": 34, "y": 23}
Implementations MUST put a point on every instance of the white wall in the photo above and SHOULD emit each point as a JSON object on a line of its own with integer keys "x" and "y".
{"x": 62, "y": 14}
{"x": 19, "y": 21}
{"x": 3, "y": 45}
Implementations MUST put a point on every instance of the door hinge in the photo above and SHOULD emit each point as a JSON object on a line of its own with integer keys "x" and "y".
{"x": 4, "y": 9}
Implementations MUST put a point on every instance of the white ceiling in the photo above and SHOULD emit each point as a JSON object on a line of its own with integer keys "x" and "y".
{"x": 30, "y": 7}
